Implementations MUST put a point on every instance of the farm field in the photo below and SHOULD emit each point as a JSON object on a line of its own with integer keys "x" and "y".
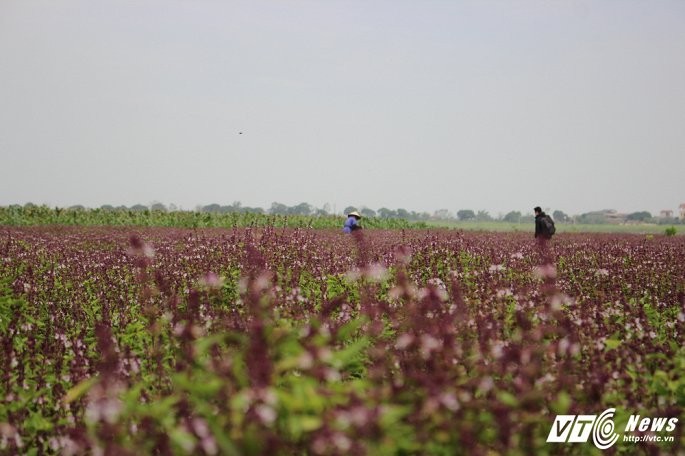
{"x": 45, "y": 216}
{"x": 267, "y": 340}
{"x": 637, "y": 228}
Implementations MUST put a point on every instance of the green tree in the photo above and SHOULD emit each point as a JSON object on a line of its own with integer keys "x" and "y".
{"x": 278, "y": 209}
{"x": 301, "y": 209}
{"x": 442, "y": 214}
{"x": 215, "y": 208}
{"x": 466, "y": 214}
{"x": 639, "y": 216}
{"x": 158, "y": 207}
{"x": 368, "y": 213}
{"x": 384, "y": 212}
{"x": 403, "y": 214}
{"x": 560, "y": 216}
{"x": 595, "y": 217}
{"x": 483, "y": 216}
{"x": 512, "y": 217}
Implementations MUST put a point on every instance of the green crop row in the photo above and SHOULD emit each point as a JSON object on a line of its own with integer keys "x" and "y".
{"x": 43, "y": 215}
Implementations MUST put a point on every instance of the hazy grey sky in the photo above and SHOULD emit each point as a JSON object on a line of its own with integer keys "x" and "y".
{"x": 423, "y": 105}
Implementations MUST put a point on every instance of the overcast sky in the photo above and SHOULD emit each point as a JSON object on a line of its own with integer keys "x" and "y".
{"x": 422, "y": 105}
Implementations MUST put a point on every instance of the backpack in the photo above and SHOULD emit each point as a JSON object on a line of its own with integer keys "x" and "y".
{"x": 548, "y": 223}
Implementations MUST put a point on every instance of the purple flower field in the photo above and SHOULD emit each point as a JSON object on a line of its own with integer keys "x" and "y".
{"x": 299, "y": 341}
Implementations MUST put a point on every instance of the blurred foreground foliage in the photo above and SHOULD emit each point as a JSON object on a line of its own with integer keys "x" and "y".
{"x": 296, "y": 341}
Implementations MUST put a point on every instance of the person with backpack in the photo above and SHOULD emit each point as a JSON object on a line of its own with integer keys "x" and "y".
{"x": 544, "y": 225}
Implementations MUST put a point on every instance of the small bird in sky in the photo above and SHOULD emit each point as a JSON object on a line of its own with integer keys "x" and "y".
{"x": 240, "y": 132}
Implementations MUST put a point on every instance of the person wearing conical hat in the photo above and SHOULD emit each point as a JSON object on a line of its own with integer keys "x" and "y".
{"x": 352, "y": 222}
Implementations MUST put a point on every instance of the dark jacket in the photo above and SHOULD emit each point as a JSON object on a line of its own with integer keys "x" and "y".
{"x": 540, "y": 227}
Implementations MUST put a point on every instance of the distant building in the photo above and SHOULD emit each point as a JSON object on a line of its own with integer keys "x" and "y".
{"x": 613, "y": 216}
{"x": 682, "y": 211}
{"x": 666, "y": 213}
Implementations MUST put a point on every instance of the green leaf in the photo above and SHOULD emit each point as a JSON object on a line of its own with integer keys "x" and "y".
{"x": 350, "y": 329}
{"x": 201, "y": 386}
{"x": 222, "y": 440}
{"x": 79, "y": 390}
{"x": 611, "y": 344}
{"x": 562, "y": 404}
{"x": 204, "y": 344}
{"x": 163, "y": 408}
{"x": 299, "y": 424}
{"x": 507, "y": 398}
{"x": 183, "y": 439}
{"x": 38, "y": 422}
{"x": 392, "y": 414}
{"x": 350, "y": 353}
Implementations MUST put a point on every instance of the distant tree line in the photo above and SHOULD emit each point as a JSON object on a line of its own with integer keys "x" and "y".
{"x": 611, "y": 216}
{"x": 463, "y": 215}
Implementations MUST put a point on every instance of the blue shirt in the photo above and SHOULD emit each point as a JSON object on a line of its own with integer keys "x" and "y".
{"x": 350, "y": 224}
